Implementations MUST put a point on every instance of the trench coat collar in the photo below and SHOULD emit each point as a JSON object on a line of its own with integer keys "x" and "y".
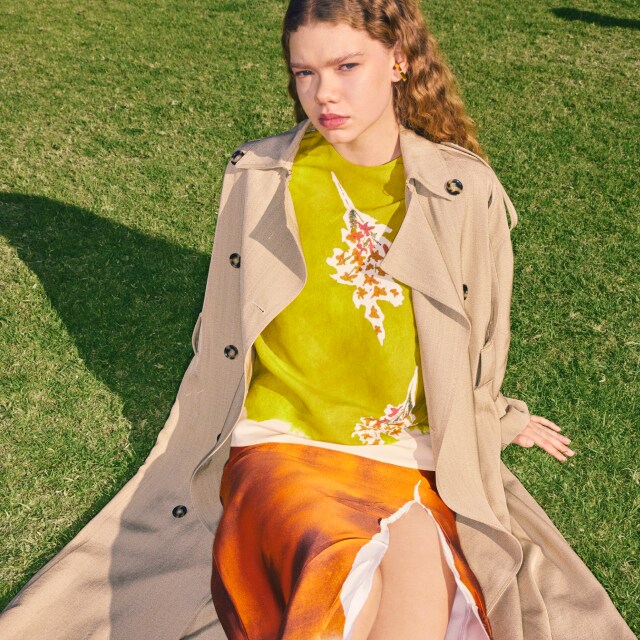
{"x": 422, "y": 160}
{"x": 423, "y": 256}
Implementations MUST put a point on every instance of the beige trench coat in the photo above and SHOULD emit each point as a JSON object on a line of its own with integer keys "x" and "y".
{"x": 141, "y": 568}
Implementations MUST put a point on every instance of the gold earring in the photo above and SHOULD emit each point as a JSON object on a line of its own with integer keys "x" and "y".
{"x": 402, "y": 73}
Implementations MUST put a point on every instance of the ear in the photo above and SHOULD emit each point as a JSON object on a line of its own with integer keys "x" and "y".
{"x": 400, "y": 57}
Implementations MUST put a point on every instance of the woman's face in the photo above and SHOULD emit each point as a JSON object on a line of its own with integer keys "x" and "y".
{"x": 344, "y": 80}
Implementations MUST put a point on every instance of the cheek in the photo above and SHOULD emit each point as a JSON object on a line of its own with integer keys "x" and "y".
{"x": 370, "y": 90}
{"x": 305, "y": 92}
{"x": 299, "y": 88}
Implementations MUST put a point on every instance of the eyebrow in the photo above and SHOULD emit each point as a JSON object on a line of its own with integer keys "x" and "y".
{"x": 329, "y": 63}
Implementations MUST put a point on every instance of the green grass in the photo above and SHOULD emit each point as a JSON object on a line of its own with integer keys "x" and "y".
{"x": 116, "y": 122}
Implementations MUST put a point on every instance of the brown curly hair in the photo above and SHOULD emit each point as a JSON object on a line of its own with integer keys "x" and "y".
{"x": 429, "y": 102}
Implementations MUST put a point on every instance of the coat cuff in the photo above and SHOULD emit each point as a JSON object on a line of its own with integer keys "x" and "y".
{"x": 514, "y": 417}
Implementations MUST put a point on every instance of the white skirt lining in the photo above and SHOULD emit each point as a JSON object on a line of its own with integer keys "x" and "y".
{"x": 464, "y": 622}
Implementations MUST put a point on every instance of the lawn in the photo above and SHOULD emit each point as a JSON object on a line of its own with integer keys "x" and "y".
{"x": 116, "y": 122}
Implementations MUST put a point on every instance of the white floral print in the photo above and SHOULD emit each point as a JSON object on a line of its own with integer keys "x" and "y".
{"x": 358, "y": 265}
{"x": 395, "y": 418}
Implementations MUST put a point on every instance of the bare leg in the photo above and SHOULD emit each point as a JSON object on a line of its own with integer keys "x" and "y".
{"x": 364, "y": 622}
{"x": 413, "y": 588}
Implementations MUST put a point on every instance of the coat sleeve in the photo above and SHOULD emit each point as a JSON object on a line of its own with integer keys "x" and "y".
{"x": 514, "y": 413}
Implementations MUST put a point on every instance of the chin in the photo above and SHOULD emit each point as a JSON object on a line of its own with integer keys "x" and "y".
{"x": 343, "y": 135}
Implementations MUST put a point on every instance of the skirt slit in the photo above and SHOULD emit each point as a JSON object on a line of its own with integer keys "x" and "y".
{"x": 465, "y": 621}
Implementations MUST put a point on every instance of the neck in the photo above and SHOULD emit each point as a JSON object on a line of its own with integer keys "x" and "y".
{"x": 378, "y": 144}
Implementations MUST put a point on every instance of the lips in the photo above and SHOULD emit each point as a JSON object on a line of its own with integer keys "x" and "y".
{"x": 332, "y": 120}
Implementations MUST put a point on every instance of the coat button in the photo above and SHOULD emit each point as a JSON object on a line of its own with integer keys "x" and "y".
{"x": 231, "y": 351}
{"x": 454, "y": 186}
{"x": 234, "y": 259}
{"x": 179, "y": 511}
{"x": 465, "y": 290}
{"x": 236, "y": 156}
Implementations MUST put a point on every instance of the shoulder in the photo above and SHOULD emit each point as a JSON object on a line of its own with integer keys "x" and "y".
{"x": 456, "y": 152}
{"x": 476, "y": 168}
{"x": 463, "y": 160}
{"x": 269, "y": 151}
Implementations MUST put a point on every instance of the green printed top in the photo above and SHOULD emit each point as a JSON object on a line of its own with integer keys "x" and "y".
{"x": 340, "y": 365}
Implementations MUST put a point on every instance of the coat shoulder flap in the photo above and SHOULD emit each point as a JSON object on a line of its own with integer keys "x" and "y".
{"x": 454, "y": 149}
{"x": 468, "y": 165}
{"x": 464, "y": 159}
{"x": 269, "y": 152}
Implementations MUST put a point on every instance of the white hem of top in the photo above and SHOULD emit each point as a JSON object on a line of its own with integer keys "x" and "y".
{"x": 464, "y": 621}
{"x": 412, "y": 450}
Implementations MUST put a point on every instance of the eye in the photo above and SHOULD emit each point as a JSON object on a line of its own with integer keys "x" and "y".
{"x": 302, "y": 74}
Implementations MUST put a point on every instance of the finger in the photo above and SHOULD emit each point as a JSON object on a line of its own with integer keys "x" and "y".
{"x": 546, "y": 422}
{"x": 550, "y": 441}
{"x": 553, "y": 446}
{"x": 530, "y": 435}
{"x": 550, "y": 449}
{"x": 548, "y": 433}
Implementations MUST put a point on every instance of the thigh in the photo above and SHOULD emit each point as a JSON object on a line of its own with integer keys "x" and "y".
{"x": 417, "y": 585}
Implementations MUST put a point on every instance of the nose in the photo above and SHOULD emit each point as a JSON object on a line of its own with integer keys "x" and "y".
{"x": 326, "y": 89}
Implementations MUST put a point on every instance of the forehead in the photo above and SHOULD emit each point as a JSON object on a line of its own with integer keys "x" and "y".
{"x": 321, "y": 43}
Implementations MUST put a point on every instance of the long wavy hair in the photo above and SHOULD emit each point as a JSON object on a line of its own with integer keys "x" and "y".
{"x": 428, "y": 102}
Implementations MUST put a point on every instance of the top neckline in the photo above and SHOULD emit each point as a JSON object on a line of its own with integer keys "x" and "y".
{"x": 390, "y": 164}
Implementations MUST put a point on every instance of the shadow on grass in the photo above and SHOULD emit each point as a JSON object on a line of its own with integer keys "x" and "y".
{"x": 130, "y": 302}
{"x": 591, "y": 17}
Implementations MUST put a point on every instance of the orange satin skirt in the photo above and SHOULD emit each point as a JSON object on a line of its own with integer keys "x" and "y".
{"x": 302, "y": 532}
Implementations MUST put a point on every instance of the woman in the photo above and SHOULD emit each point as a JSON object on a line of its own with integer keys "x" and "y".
{"x": 320, "y": 536}
{"x": 349, "y": 76}
{"x": 403, "y": 522}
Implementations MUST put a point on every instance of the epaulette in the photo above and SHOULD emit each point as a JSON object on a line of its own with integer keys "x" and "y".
{"x": 457, "y": 147}
{"x": 248, "y": 145}
{"x": 510, "y": 208}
